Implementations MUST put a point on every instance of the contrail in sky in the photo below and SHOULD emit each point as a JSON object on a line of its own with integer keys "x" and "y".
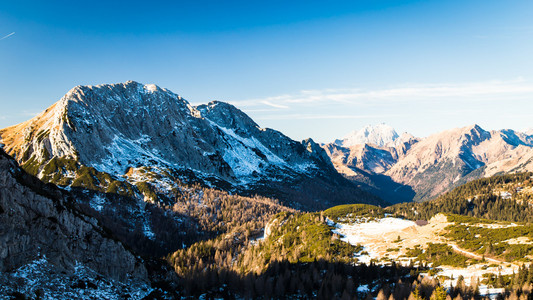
{"x": 5, "y": 37}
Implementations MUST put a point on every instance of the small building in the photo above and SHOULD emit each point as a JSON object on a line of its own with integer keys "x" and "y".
{"x": 421, "y": 222}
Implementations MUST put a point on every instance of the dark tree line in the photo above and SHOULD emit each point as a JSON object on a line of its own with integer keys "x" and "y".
{"x": 479, "y": 198}
{"x": 197, "y": 214}
{"x": 318, "y": 280}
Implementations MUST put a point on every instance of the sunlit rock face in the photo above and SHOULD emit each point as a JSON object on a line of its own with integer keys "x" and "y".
{"x": 119, "y": 129}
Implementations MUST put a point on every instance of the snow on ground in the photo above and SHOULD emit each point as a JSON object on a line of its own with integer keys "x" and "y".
{"x": 253, "y": 143}
{"x": 356, "y": 233}
{"x": 97, "y": 202}
{"x": 39, "y": 277}
{"x": 151, "y": 174}
{"x": 147, "y": 229}
{"x": 365, "y": 233}
{"x": 378, "y": 237}
{"x": 123, "y": 152}
{"x": 492, "y": 293}
{"x": 30, "y": 272}
{"x": 243, "y": 159}
{"x": 258, "y": 239}
{"x": 240, "y": 155}
{"x": 474, "y": 273}
{"x": 363, "y": 288}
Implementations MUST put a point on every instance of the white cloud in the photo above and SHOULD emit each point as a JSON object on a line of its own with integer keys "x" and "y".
{"x": 266, "y": 102}
{"x": 474, "y": 91}
{"x": 321, "y": 117}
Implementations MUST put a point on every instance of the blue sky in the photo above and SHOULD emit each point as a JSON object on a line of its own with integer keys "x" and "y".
{"x": 308, "y": 68}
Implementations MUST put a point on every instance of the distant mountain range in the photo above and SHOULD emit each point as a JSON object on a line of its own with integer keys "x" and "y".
{"x": 144, "y": 141}
{"x": 400, "y": 167}
{"x": 106, "y": 182}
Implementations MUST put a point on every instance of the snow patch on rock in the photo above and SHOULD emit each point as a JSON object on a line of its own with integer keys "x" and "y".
{"x": 38, "y": 277}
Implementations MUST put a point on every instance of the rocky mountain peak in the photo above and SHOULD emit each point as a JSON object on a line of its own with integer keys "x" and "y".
{"x": 227, "y": 116}
{"x": 316, "y": 151}
{"x": 123, "y": 95}
{"x": 405, "y": 138}
{"x": 125, "y": 129}
{"x": 528, "y": 131}
{"x": 475, "y": 134}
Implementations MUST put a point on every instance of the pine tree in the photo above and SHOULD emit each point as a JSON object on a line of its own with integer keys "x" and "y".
{"x": 415, "y": 294}
{"x": 381, "y": 295}
{"x": 438, "y": 294}
{"x": 499, "y": 281}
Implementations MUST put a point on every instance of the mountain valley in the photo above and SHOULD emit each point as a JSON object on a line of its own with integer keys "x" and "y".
{"x": 129, "y": 191}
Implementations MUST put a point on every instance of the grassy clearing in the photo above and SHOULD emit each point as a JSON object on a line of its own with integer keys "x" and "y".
{"x": 350, "y": 212}
{"x": 490, "y": 241}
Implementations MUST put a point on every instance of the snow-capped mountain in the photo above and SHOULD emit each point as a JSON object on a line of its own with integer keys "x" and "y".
{"x": 141, "y": 134}
{"x": 435, "y": 164}
{"x": 366, "y": 163}
{"x": 446, "y": 159}
{"x": 379, "y": 135}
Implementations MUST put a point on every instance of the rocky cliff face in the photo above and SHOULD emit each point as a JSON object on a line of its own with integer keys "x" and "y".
{"x": 446, "y": 159}
{"x": 376, "y": 150}
{"x": 366, "y": 164}
{"x": 425, "y": 168}
{"x": 49, "y": 247}
{"x": 145, "y": 135}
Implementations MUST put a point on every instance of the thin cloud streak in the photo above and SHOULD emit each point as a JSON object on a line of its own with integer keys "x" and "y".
{"x": 30, "y": 113}
{"x": 477, "y": 91}
{"x": 266, "y": 102}
{"x": 313, "y": 117}
{"x": 260, "y": 110}
{"x": 5, "y": 37}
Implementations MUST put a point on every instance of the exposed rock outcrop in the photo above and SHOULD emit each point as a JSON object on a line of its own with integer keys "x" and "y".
{"x": 41, "y": 227}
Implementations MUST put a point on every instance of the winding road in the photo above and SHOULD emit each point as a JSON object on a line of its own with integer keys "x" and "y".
{"x": 473, "y": 255}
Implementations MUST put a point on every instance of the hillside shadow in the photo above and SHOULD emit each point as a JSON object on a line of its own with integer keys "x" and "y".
{"x": 383, "y": 186}
{"x": 144, "y": 227}
{"x": 393, "y": 192}
{"x": 315, "y": 280}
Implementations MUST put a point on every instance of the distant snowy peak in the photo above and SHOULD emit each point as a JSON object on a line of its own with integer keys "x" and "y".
{"x": 528, "y": 131}
{"x": 379, "y": 135}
